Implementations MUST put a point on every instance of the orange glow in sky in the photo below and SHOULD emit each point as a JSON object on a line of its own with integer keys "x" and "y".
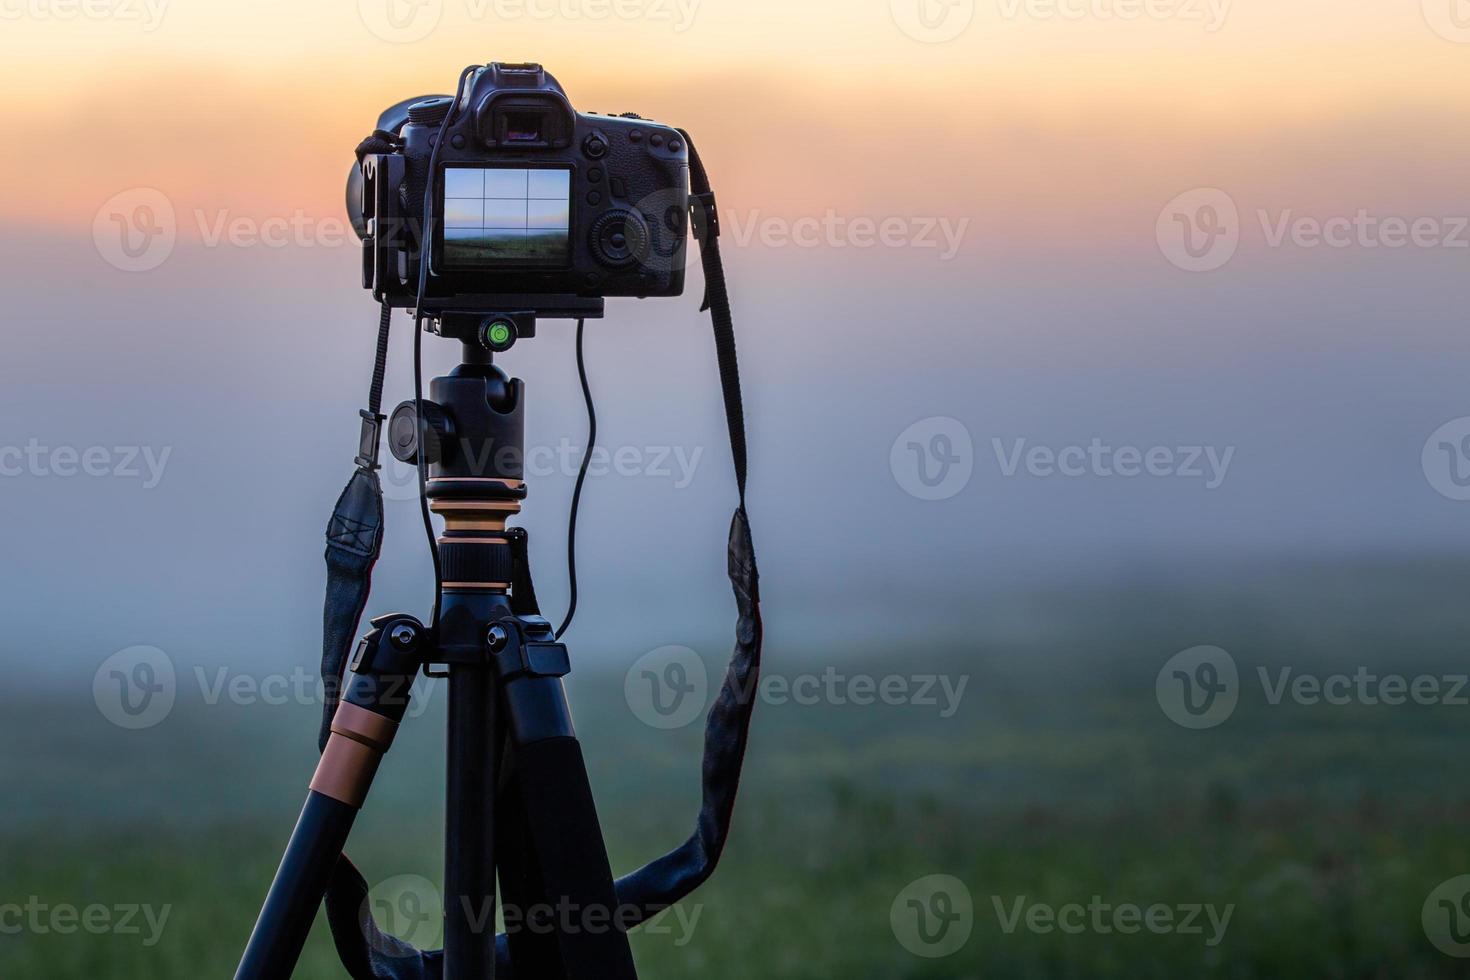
{"x": 1033, "y": 112}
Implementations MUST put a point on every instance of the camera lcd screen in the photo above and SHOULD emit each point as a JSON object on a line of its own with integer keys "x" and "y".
{"x": 506, "y": 216}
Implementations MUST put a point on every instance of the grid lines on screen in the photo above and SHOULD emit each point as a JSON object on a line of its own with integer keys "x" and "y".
{"x": 506, "y": 215}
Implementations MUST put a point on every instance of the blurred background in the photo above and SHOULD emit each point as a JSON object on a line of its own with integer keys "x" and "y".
{"x": 1110, "y": 433}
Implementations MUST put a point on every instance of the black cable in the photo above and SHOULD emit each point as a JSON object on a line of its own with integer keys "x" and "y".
{"x": 581, "y": 479}
{"x": 426, "y": 237}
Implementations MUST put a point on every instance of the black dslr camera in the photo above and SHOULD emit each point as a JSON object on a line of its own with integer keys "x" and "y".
{"x": 534, "y": 209}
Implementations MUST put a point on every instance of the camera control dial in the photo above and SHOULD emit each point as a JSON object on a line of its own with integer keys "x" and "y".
{"x": 619, "y": 238}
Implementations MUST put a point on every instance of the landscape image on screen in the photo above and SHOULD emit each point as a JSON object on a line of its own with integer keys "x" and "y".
{"x": 506, "y": 216}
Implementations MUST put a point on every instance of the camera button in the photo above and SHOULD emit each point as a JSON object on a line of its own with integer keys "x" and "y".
{"x": 595, "y": 146}
{"x": 595, "y": 175}
{"x": 657, "y": 139}
{"x": 636, "y": 136}
{"x": 594, "y": 197}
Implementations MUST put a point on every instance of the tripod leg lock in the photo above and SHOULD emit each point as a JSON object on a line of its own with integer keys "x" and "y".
{"x": 360, "y": 739}
{"x": 523, "y": 646}
{"x": 375, "y": 701}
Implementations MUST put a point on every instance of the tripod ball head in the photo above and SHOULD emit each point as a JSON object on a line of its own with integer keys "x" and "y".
{"x": 471, "y": 432}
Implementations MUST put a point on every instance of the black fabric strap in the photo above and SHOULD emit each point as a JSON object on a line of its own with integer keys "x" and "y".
{"x": 380, "y": 360}
{"x": 717, "y": 301}
{"x": 662, "y": 882}
{"x": 354, "y": 540}
{"x": 368, "y": 953}
{"x": 381, "y": 141}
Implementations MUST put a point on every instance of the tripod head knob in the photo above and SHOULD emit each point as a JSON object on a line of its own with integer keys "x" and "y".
{"x": 407, "y": 437}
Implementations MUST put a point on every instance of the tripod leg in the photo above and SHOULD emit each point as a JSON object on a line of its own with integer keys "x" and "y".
{"x": 362, "y": 731}
{"x": 469, "y": 871}
{"x": 560, "y": 890}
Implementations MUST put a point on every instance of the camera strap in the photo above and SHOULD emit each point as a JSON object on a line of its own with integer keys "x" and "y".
{"x": 354, "y": 541}
{"x": 662, "y": 882}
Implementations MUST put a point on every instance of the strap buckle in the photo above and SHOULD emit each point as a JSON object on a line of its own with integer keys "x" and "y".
{"x": 371, "y": 439}
{"x": 706, "y": 216}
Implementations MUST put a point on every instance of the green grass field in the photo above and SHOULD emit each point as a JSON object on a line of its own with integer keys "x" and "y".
{"x": 1324, "y": 828}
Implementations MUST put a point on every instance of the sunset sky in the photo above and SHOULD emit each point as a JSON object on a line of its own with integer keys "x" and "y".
{"x": 1032, "y": 159}
{"x": 1039, "y": 111}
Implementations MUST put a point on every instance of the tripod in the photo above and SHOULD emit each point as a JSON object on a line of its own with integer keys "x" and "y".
{"x": 518, "y": 797}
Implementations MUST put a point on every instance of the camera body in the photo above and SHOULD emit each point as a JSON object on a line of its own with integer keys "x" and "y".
{"x": 538, "y": 210}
